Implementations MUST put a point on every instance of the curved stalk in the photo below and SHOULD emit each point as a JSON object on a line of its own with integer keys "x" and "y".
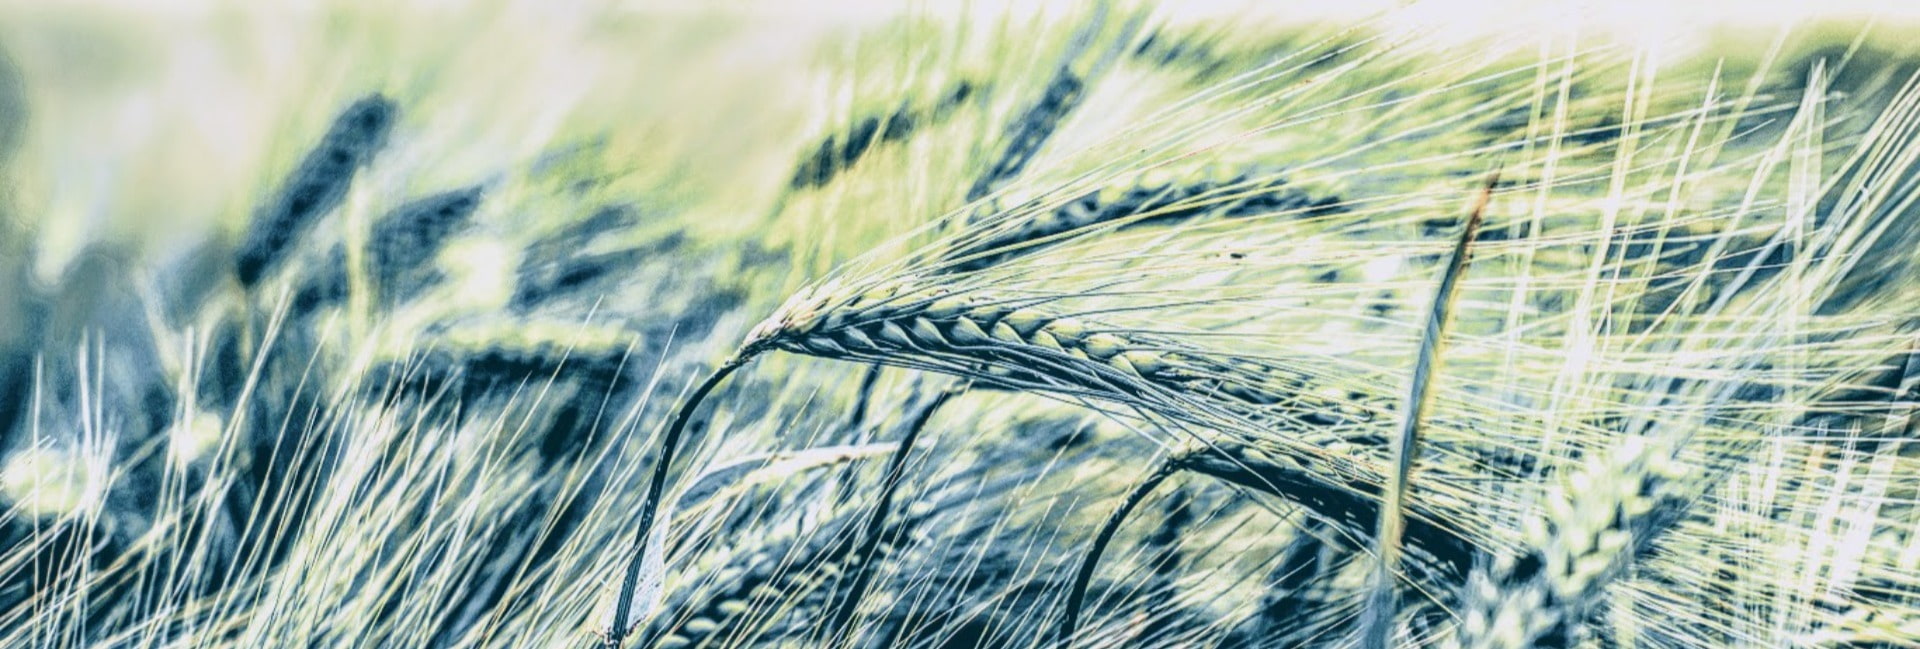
{"x": 1070, "y": 623}
{"x": 875, "y": 529}
{"x": 1376, "y": 626}
{"x": 856, "y": 420}
{"x": 622, "y": 625}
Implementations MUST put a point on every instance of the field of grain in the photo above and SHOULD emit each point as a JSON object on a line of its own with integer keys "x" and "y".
{"x": 954, "y": 326}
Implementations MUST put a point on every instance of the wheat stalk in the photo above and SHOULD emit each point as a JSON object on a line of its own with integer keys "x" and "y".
{"x": 1077, "y": 590}
{"x": 624, "y": 621}
{"x": 845, "y": 606}
{"x": 1382, "y": 600}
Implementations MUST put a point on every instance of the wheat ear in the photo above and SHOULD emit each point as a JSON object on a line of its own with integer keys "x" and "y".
{"x": 1018, "y": 345}
{"x": 1603, "y": 516}
{"x": 1062, "y": 96}
{"x": 1150, "y": 198}
{"x": 318, "y": 185}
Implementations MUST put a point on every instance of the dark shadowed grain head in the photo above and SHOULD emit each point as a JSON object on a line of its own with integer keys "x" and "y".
{"x": 315, "y": 187}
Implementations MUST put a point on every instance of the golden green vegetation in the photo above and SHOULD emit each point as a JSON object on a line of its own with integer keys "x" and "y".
{"x": 1105, "y": 326}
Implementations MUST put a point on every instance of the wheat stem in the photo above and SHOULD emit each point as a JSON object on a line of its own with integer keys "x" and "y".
{"x": 1377, "y": 623}
{"x": 622, "y": 612}
{"x": 1077, "y": 592}
{"x": 863, "y": 558}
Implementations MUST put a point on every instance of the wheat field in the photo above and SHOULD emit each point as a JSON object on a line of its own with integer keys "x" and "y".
{"x": 958, "y": 325}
